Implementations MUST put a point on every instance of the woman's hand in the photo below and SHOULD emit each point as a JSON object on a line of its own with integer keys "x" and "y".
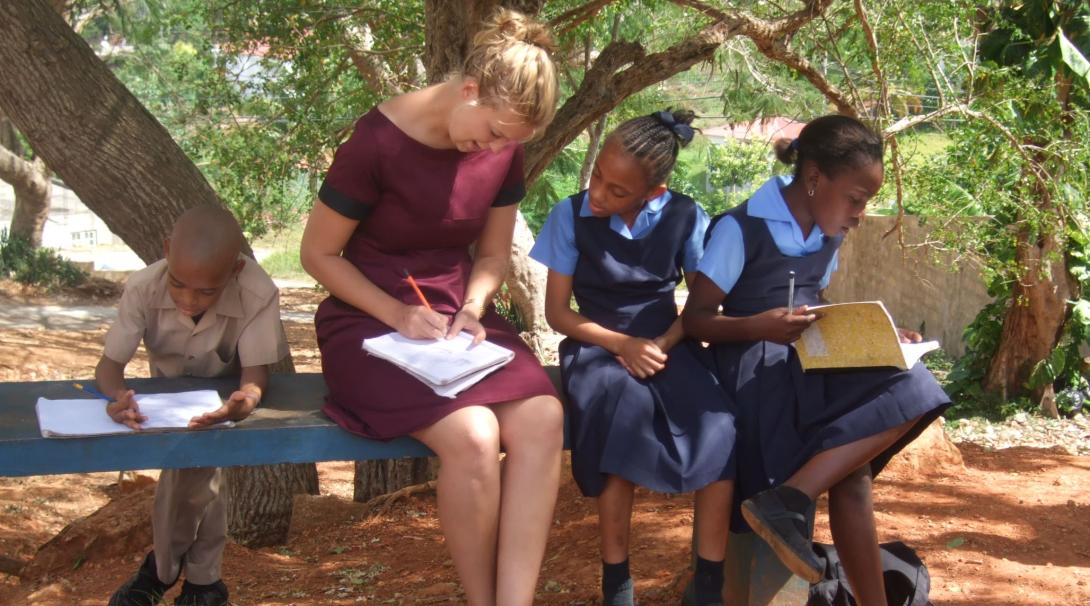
{"x": 782, "y": 325}
{"x": 641, "y": 357}
{"x": 419, "y": 322}
{"x": 466, "y": 319}
{"x": 909, "y": 336}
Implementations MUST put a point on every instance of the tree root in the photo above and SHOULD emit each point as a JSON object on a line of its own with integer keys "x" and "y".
{"x": 382, "y": 504}
{"x": 11, "y": 566}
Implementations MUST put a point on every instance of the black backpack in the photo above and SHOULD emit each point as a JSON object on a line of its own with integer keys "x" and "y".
{"x": 906, "y": 578}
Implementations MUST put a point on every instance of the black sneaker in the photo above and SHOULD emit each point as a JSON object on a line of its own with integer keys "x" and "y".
{"x": 779, "y": 516}
{"x": 203, "y": 595}
{"x": 623, "y": 595}
{"x": 143, "y": 589}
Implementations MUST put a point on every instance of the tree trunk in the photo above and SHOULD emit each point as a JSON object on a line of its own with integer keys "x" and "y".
{"x": 90, "y": 130}
{"x": 126, "y": 168}
{"x": 1035, "y": 317}
{"x": 259, "y": 502}
{"x": 376, "y": 478}
{"x": 260, "y": 498}
{"x": 30, "y": 180}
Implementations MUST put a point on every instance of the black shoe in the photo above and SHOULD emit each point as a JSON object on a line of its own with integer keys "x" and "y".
{"x": 779, "y": 516}
{"x": 623, "y": 595}
{"x": 203, "y": 595}
{"x": 143, "y": 589}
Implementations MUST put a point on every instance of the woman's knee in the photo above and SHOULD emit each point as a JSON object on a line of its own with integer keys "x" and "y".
{"x": 536, "y": 423}
{"x": 470, "y": 441}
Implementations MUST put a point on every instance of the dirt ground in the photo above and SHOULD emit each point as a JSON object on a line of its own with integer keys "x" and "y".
{"x": 1009, "y": 529}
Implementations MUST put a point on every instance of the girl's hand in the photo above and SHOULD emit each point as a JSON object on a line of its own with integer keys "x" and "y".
{"x": 466, "y": 319}
{"x": 782, "y": 325}
{"x": 419, "y": 322}
{"x": 641, "y": 357}
{"x": 909, "y": 336}
{"x": 664, "y": 343}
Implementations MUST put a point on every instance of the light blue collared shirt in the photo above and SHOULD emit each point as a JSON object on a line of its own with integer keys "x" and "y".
{"x": 555, "y": 245}
{"x": 726, "y": 253}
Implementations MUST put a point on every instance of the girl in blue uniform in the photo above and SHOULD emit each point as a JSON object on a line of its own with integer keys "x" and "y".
{"x": 803, "y": 434}
{"x": 643, "y": 408}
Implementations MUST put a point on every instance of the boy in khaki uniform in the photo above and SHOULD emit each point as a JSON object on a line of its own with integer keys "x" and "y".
{"x": 203, "y": 311}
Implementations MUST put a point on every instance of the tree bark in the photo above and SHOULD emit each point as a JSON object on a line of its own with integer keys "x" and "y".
{"x": 91, "y": 130}
{"x": 374, "y": 478}
{"x": 126, "y": 168}
{"x": 260, "y": 498}
{"x": 30, "y": 179}
{"x": 1035, "y": 318}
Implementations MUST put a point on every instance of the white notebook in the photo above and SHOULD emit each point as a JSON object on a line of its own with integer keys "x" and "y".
{"x": 448, "y": 366}
{"x": 87, "y": 417}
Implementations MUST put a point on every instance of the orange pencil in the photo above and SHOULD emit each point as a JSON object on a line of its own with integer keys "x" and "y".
{"x": 416, "y": 288}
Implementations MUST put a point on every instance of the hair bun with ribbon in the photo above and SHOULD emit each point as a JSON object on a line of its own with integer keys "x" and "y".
{"x": 681, "y": 130}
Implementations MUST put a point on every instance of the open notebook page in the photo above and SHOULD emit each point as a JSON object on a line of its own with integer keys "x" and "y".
{"x": 438, "y": 361}
{"x": 87, "y": 417}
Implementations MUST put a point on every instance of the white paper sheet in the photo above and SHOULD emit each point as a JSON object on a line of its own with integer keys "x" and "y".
{"x": 440, "y": 362}
{"x": 87, "y": 417}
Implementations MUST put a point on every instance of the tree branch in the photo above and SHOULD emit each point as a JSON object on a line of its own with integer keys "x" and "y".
{"x": 605, "y": 84}
{"x": 572, "y": 18}
{"x": 370, "y": 66}
{"x": 16, "y": 171}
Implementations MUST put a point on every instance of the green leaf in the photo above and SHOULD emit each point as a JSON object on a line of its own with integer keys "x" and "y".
{"x": 1081, "y": 312}
{"x": 1073, "y": 58}
{"x": 955, "y": 543}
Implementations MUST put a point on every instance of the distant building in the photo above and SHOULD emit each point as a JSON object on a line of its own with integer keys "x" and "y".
{"x": 761, "y": 130}
{"x": 74, "y": 231}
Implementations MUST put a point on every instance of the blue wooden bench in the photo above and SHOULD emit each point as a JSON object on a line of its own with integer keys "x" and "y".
{"x": 288, "y": 427}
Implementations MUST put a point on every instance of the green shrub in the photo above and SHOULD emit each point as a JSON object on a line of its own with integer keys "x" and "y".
{"x": 36, "y": 266}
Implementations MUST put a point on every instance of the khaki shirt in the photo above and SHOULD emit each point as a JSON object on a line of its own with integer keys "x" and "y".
{"x": 242, "y": 329}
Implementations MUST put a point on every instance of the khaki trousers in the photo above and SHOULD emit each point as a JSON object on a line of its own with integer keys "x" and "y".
{"x": 189, "y": 525}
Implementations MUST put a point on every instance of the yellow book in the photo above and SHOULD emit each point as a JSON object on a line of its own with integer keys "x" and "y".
{"x": 856, "y": 335}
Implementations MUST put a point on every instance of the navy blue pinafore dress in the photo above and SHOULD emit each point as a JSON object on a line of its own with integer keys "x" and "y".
{"x": 672, "y": 432}
{"x": 786, "y": 416}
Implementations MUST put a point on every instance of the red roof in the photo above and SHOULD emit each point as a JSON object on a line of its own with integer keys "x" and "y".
{"x": 759, "y": 130}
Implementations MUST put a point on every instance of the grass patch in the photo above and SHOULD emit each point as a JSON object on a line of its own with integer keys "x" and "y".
{"x": 282, "y": 258}
{"x": 285, "y": 264}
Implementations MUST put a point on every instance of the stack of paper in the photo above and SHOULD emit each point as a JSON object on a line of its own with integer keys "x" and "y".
{"x": 856, "y": 335}
{"x": 87, "y": 417}
{"x": 448, "y": 366}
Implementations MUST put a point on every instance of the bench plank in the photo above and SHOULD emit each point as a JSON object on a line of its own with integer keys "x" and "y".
{"x": 288, "y": 427}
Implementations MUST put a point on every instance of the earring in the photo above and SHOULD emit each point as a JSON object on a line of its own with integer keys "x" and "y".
{"x": 811, "y": 192}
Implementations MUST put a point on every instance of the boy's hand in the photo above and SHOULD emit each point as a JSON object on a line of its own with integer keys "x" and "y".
{"x": 236, "y": 408}
{"x": 641, "y": 357}
{"x": 782, "y": 325}
{"x": 466, "y": 319}
{"x": 419, "y": 322}
{"x": 909, "y": 336}
{"x": 124, "y": 409}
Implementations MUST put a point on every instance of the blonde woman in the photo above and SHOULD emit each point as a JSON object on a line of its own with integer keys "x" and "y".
{"x": 425, "y": 175}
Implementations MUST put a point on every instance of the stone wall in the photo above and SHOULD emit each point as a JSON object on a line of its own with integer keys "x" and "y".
{"x": 923, "y": 290}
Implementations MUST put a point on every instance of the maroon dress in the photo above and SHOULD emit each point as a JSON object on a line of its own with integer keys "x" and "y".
{"x": 420, "y": 209}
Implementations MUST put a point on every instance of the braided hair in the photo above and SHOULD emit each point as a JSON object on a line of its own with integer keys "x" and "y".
{"x": 834, "y": 143}
{"x": 655, "y": 140}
